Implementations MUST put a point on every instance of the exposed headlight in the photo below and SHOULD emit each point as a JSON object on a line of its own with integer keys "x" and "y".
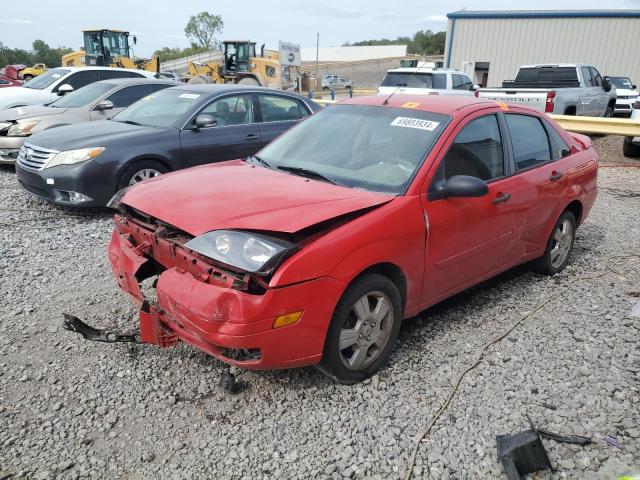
{"x": 71, "y": 157}
{"x": 247, "y": 251}
{"x": 22, "y": 129}
{"x": 114, "y": 203}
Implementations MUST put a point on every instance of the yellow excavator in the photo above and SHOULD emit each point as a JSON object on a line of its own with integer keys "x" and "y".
{"x": 111, "y": 48}
{"x": 239, "y": 65}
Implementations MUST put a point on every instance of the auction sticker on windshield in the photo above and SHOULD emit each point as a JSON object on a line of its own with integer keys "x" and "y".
{"x": 415, "y": 123}
{"x": 191, "y": 96}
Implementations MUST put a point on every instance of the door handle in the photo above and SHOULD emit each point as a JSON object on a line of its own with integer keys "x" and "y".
{"x": 251, "y": 136}
{"x": 555, "y": 176}
{"x": 501, "y": 198}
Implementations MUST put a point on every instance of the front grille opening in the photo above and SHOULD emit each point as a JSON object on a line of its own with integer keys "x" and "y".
{"x": 242, "y": 355}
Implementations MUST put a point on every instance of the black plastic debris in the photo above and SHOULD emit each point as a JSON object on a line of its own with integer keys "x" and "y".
{"x": 523, "y": 452}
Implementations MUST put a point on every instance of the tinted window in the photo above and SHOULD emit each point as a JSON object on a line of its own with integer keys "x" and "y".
{"x": 128, "y": 95}
{"x": 529, "y": 140}
{"x": 234, "y": 110}
{"x": 118, "y": 73}
{"x": 80, "y": 79}
{"x": 456, "y": 81}
{"x": 277, "y": 109}
{"x": 414, "y": 80}
{"x": 547, "y": 74}
{"x": 596, "y": 78}
{"x": 476, "y": 151}
{"x": 621, "y": 82}
{"x": 559, "y": 147}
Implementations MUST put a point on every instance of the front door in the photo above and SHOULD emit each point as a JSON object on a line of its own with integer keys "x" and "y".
{"x": 470, "y": 238}
{"x": 236, "y": 135}
{"x": 277, "y": 114}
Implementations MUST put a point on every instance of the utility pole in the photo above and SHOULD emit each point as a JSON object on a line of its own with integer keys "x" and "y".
{"x": 317, "y": 49}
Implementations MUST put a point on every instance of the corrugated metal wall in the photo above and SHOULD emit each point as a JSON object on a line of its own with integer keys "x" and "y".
{"x": 612, "y": 45}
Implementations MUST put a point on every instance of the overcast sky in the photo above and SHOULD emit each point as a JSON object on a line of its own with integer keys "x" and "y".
{"x": 161, "y": 23}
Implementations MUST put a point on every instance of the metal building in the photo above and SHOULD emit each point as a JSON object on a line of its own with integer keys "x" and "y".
{"x": 491, "y": 45}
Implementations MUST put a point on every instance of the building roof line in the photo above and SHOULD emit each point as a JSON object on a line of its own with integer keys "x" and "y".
{"x": 544, "y": 14}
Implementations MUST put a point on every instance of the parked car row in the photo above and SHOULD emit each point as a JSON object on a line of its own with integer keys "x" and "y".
{"x": 312, "y": 247}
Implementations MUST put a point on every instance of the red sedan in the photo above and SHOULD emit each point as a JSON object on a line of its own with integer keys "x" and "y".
{"x": 313, "y": 251}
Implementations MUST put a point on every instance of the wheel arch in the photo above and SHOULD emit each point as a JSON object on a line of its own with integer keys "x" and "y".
{"x": 390, "y": 270}
{"x": 156, "y": 158}
{"x": 570, "y": 109}
{"x": 576, "y": 208}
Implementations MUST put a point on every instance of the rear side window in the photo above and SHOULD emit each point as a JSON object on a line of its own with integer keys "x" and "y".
{"x": 275, "y": 108}
{"x": 476, "y": 151}
{"x": 547, "y": 74}
{"x": 559, "y": 147}
{"x": 529, "y": 140}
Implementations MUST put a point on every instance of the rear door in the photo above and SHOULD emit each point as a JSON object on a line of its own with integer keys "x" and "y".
{"x": 472, "y": 238}
{"x": 536, "y": 147}
{"x": 235, "y": 136}
{"x": 277, "y": 113}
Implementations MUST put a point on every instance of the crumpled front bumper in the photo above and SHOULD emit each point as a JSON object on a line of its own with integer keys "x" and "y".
{"x": 218, "y": 319}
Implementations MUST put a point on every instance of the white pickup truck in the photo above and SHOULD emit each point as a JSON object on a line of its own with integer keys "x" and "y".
{"x": 563, "y": 89}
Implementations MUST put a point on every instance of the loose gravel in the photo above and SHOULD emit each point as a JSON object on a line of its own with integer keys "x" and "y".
{"x": 76, "y": 409}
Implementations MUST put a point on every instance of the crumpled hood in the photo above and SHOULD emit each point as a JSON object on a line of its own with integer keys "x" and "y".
{"x": 30, "y": 96}
{"x": 18, "y": 113}
{"x": 236, "y": 195}
{"x": 89, "y": 134}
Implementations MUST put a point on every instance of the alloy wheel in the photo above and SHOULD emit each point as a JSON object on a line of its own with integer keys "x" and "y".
{"x": 143, "y": 174}
{"x": 366, "y": 330}
{"x": 562, "y": 240}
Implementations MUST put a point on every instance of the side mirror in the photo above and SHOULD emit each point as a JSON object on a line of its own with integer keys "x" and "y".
{"x": 104, "y": 105}
{"x": 634, "y": 87}
{"x": 460, "y": 186}
{"x": 205, "y": 120}
{"x": 476, "y": 87}
{"x": 606, "y": 84}
{"x": 64, "y": 89}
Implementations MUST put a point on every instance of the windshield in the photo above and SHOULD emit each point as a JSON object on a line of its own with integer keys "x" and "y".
{"x": 46, "y": 79}
{"x": 83, "y": 96}
{"x": 161, "y": 109}
{"x": 359, "y": 146}
{"x": 415, "y": 80}
{"x": 621, "y": 82}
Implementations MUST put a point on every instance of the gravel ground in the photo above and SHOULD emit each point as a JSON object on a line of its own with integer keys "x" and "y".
{"x": 71, "y": 408}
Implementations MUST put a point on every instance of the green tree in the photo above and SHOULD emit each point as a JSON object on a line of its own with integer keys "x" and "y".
{"x": 202, "y": 28}
{"x": 168, "y": 53}
{"x": 41, "y": 53}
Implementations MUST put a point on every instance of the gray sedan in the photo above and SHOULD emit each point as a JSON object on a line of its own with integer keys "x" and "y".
{"x": 97, "y": 101}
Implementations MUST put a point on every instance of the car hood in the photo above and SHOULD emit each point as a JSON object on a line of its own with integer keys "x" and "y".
{"x": 31, "y": 96}
{"x": 626, "y": 92}
{"x": 88, "y": 134}
{"x": 29, "y": 111}
{"x": 236, "y": 195}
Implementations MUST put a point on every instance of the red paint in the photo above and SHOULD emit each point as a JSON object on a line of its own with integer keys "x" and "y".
{"x": 9, "y": 82}
{"x": 441, "y": 247}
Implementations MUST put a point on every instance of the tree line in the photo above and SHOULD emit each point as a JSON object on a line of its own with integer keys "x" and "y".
{"x": 423, "y": 42}
{"x": 40, "y": 53}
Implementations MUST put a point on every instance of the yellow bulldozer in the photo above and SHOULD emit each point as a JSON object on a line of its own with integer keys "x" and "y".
{"x": 239, "y": 65}
{"x": 110, "y": 48}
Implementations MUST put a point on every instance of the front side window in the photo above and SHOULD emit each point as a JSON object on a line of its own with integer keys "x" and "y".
{"x": 128, "y": 95}
{"x": 234, "y": 110}
{"x": 275, "y": 108}
{"x": 46, "y": 79}
{"x": 82, "y": 96}
{"x": 476, "y": 151}
{"x": 586, "y": 75}
{"x": 359, "y": 146}
{"x": 529, "y": 140}
{"x": 82, "y": 78}
{"x": 597, "y": 79}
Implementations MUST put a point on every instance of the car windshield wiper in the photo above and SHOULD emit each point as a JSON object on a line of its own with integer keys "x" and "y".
{"x": 305, "y": 172}
{"x": 260, "y": 161}
{"x": 130, "y": 122}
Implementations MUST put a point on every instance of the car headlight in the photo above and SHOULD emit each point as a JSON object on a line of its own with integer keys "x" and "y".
{"x": 115, "y": 201}
{"x": 22, "y": 129}
{"x": 247, "y": 251}
{"x": 71, "y": 157}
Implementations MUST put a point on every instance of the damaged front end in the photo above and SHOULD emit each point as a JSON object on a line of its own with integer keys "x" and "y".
{"x": 186, "y": 292}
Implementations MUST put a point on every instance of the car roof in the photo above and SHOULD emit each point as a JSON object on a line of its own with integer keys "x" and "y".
{"x": 214, "y": 88}
{"x": 446, "y": 104}
{"x": 77, "y": 69}
{"x": 136, "y": 81}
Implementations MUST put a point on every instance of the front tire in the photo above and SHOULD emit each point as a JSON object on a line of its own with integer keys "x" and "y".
{"x": 559, "y": 246}
{"x": 608, "y": 113}
{"x": 630, "y": 149}
{"x": 140, "y": 171}
{"x": 363, "y": 330}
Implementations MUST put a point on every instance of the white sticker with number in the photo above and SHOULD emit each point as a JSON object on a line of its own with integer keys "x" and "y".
{"x": 415, "y": 123}
{"x": 190, "y": 96}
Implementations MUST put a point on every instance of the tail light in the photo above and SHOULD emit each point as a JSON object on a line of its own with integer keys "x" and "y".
{"x": 548, "y": 108}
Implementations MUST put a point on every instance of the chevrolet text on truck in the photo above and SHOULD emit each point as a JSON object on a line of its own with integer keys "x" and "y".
{"x": 562, "y": 89}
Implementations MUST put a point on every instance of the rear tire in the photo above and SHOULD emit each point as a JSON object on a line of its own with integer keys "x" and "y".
{"x": 249, "y": 81}
{"x": 139, "y": 171}
{"x": 630, "y": 149}
{"x": 363, "y": 330}
{"x": 559, "y": 246}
